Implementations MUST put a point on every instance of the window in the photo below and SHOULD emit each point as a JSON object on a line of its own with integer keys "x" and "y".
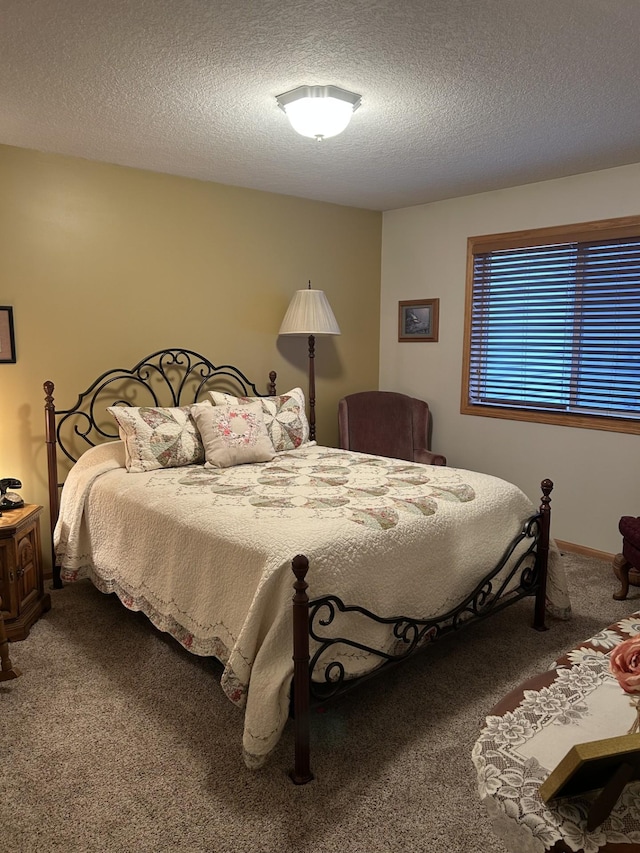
{"x": 552, "y": 326}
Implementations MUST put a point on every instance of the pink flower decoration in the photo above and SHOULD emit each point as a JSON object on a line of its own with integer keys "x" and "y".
{"x": 624, "y": 663}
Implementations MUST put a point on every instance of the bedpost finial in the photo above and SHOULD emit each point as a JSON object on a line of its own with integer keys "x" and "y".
{"x": 546, "y": 487}
{"x": 300, "y": 566}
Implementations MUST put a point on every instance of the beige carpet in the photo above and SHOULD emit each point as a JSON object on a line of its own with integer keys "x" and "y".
{"x": 115, "y": 739}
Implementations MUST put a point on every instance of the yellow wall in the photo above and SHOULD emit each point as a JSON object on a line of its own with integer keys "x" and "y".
{"x": 104, "y": 264}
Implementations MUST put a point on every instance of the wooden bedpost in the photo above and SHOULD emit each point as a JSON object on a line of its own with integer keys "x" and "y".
{"x": 301, "y": 772}
{"x": 272, "y": 383}
{"x": 52, "y": 472}
{"x": 542, "y": 558}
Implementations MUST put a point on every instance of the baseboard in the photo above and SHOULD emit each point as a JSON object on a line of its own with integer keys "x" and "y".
{"x": 583, "y": 551}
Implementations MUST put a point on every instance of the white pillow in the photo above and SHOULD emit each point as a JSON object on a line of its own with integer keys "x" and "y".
{"x": 284, "y": 416}
{"x": 157, "y": 437}
{"x": 232, "y": 435}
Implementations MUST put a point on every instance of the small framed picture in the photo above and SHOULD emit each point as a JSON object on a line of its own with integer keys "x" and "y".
{"x": 418, "y": 320}
{"x": 7, "y": 340}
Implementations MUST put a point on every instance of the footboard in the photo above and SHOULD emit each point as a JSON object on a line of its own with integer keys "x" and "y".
{"x": 321, "y": 677}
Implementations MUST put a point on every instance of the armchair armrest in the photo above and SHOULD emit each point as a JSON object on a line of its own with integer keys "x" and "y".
{"x": 420, "y": 454}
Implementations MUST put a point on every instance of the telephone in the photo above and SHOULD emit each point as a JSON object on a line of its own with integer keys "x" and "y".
{"x": 10, "y": 500}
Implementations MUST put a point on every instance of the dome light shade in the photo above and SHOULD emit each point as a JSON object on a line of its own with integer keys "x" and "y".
{"x": 319, "y": 111}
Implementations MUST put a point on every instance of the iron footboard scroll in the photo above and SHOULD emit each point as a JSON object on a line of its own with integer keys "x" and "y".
{"x": 409, "y": 635}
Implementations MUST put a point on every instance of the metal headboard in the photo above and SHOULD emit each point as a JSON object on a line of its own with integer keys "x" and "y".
{"x": 168, "y": 377}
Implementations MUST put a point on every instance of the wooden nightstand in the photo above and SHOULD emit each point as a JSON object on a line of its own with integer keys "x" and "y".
{"x": 21, "y": 583}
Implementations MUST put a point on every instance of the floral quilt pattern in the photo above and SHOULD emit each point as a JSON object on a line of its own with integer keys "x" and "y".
{"x": 158, "y": 437}
{"x": 369, "y": 491}
{"x": 284, "y": 416}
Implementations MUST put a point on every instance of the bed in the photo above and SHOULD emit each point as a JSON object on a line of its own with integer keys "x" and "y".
{"x": 303, "y": 572}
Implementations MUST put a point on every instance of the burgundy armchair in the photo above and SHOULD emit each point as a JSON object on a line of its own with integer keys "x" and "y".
{"x": 387, "y": 424}
{"x": 626, "y": 566}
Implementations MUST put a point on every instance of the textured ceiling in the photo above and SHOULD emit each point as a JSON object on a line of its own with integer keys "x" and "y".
{"x": 458, "y": 96}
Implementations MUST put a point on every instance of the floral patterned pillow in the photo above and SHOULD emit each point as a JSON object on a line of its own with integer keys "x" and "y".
{"x": 232, "y": 435}
{"x": 156, "y": 437}
{"x": 284, "y": 416}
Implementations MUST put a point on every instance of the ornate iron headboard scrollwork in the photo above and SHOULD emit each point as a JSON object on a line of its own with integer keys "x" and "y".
{"x": 168, "y": 377}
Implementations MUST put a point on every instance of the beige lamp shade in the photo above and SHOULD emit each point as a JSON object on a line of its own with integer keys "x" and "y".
{"x": 309, "y": 313}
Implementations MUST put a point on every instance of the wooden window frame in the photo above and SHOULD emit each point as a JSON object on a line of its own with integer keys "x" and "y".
{"x": 581, "y": 232}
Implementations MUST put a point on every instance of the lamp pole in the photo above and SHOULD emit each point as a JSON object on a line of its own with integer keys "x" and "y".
{"x": 312, "y": 388}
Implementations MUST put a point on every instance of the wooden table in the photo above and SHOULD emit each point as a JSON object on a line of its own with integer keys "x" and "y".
{"x": 529, "y": 731}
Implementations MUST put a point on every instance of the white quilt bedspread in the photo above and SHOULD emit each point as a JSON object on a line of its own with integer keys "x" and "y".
{"x": 206, "y": 553}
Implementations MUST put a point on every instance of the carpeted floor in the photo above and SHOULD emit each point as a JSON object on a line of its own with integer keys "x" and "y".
{"x": 115, "y": 739}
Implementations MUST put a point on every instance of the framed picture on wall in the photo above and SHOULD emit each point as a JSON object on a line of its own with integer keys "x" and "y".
{"x": 418, "y": 320}
{"x": 7, "y": 340}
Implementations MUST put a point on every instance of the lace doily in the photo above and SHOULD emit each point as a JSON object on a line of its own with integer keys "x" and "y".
{"x": 512, "y": 751}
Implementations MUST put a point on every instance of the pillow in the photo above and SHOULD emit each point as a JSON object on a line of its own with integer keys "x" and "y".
{"x": 232, "y": 435}
{"x": 156, "y": 437}
{"x": 284, "y": 416}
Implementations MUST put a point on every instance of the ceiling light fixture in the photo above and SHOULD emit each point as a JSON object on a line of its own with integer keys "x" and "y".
{"x": 319, "y": 111}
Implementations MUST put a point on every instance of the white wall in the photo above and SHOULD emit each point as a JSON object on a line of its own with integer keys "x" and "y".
{"x": 596, "y": 473}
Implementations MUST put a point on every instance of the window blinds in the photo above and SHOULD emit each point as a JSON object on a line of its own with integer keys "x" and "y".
{"x": 557, "y": 328}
